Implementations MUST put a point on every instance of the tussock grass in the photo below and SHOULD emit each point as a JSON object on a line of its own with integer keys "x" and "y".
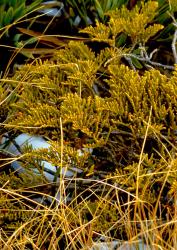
{"x": 86, "y": 218}
{"x": 38, "y": 216}
{"x": 100, "y": 210}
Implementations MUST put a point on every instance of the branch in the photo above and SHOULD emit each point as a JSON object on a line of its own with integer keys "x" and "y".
{"x": 173, "y": 45}
{"x": 148, "y": 60}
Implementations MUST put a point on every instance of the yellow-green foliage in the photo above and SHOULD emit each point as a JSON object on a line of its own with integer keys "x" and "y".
{"x": 173, "y": 5}
{"x": 68, "y": 91}
{"x": 83, "y": 98}
{"x": 73, "y": 91}
{"x": 136, "y": 23}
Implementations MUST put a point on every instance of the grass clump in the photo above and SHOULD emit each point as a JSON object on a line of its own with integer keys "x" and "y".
{"x": 126, "y": 190}
{"x": 112, "y": 121}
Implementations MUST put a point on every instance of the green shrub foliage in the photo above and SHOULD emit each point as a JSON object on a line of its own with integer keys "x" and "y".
{"x": 103, "y": 108}
{"x": 99, "y": 103}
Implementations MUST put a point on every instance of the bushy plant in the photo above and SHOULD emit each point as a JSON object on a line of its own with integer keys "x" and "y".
{"x": 113, "y": 121}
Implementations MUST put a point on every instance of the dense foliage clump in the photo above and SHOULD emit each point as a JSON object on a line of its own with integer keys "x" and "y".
{"x": 109, "y": 110}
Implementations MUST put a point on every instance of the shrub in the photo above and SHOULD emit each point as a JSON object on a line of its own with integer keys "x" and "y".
{"x": 116, "y": 123}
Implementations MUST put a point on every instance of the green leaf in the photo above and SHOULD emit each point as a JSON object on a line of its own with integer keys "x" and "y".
{"x": 2, "y": 7}
{"x": 165, "y": 34}
{"x": 99, "y": 9}
{"x": 31, "y": 40}
{"x": 27, "y": 55}
{"x": 120, "y": 41}
{"x": 8, "y": 17}
{"x": 106, "y": 5}
{"x": 19, "y": 12}
{"x": 13, "y": 3}
{"x": 33, "y": 6}
{"x": 16, "y": 38}
{"x": 136, "y": 63}
{"x": 118, "y": 3}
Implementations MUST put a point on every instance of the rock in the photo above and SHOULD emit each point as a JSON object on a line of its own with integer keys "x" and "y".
{"x": 36, "y": 142}
{"x": 118, "y": 245}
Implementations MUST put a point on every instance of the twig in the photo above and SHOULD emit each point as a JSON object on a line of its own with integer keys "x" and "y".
{"x": 129, "y": 60}
{"x": 148, "y": 60}
{"x": 173, "y": 45}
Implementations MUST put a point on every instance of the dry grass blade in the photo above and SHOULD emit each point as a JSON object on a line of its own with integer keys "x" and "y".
{"x": 56, "y": 40}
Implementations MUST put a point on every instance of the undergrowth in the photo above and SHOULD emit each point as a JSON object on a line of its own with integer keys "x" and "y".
{"x": 99, "y": 209}
{"x": 109, "y": 111}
